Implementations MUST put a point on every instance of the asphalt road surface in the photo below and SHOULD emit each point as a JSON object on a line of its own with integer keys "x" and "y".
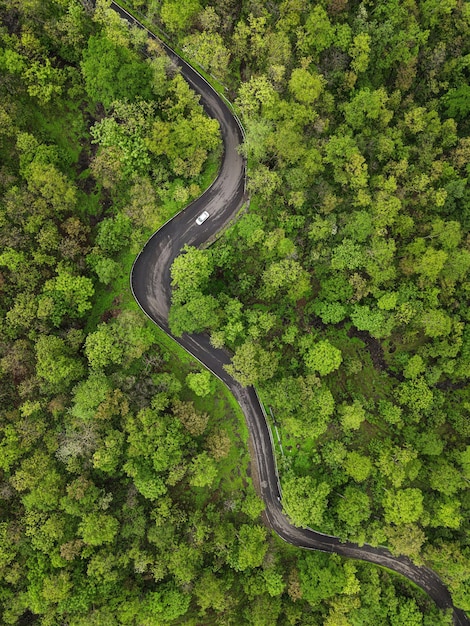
{"x": 150, "y": 282}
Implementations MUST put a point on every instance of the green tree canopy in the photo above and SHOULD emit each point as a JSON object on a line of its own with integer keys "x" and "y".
{"x": 113, "y": 72}
{"x": 323, "y": 358}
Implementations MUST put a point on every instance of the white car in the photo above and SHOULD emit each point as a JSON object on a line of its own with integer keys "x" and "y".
{"x": 202, "y": 218}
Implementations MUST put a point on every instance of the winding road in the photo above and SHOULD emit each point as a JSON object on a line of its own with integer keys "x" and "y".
{"x": 150, "y": 283}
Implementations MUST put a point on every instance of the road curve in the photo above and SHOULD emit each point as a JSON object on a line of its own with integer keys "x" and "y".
{"x": 150, "y": 283}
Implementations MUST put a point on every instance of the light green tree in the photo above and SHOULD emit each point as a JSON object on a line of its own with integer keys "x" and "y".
{"x": 190, "y": 272}
{"x": 359, "y": 52}
{"x": 304, "y": 499}
{"x": 352, "y": 415}
{"x": 358, "y": 466}
{"x": 250, "y": 547}
{"x": 436, "y": 323}
{"x": 55, "y": 362}
{"x": 88, "y": 394}
{"x": 201, "y": 383}
{"x": 286, "y": 275}
{"x": 354, "y": 507}
{"x": 252, "y": 364}
{"x": 177, "y": 17}
{"x": 323, "y": 357}
{"x": 199, "y": 313}
{"x": 305, "y": 86}
{"x": 103, "y": 348}
{"x": 69, "y": 295}
{"x": 203, "y": 471}
{"x": 403, "y": 506}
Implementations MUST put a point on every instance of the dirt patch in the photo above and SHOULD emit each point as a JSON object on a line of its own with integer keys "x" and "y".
{"x": 448, "y": 385}
{"x": 114, "y": 312}
{"x": 373, "y": 346}
{"x": 83, "y": 161}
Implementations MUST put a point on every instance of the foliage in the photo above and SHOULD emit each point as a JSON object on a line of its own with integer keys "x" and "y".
{"x": 124, "y": 490}
{"x": 341, "y": 293}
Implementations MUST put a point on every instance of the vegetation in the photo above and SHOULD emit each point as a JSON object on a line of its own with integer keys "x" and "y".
{"x": 124, "y": 491}
{"x": 342, "y": 293}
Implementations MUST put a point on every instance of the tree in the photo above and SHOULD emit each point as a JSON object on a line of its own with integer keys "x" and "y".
{"x": 408, "y": 614}
{"x": 349, "y": 166}
{"x": 113, "y": 233}
{"x": 407, "y": 540}
{"x": 185, "y": 140}
{"x": 45, "y": 180}
{"x": 415, "y": 394}
{"x": 323, "y": 357}
{"x": 105, "y": 268}
{"x": 44, "y": 80}
{"x": 77, "y": 443}
{"x": 403, "y": 506}
{"x": 204, "y": 471}
{"x": 304, "y": 500}
{"x": 388, "y": 301}
{"x": 68, "y": 295}
{"x": 354, "y": 508}
{"x": 321, "y": 577}
{"x": 252, "y": 364}
{"x": 107, "y": 166}
{"x": 330, "y": 312}
{"x": 250, "y": 547}
{"x": 39, "y": 477}
{"x": 359, "y": 52}
{"x": 57, "y": 588}
{"x": 107, "y": 457}
{"x": 103, "y": 347}
{"x": 121, "y": 136}
{"x": 88, "y": 395}
{"x": 352, "y": 415}
{"x": 177, "y": 17}
{"x": 218, "y": 444}
{"x": 373, "y": 321}
{"x": 347, "y": 255}
{"x": 436, "y": 323}
{"x": 249, "y": 38}
{"x": 193, "y": 420}
{"x": 318, "y": 32}
{"x": 431, "y": 264}
{"x": 265, "y": 182}
{"x": 252, "y": 506}
{"x": 208, "y": 49}
{"x": 211, "y": 592}
{"x": 367, "y": 105}
{"x": 464, "y": 460}
{"x": 446, "y": 478}
{"x": 457, "y": 101}
{"x": 254, "y": 95}
{"x": 155, "y": 452}
{"x": 201, "y": 383}
{"x": 143, "y": 203}
{"x": 55, "y": 362}
{"x": 113, "y": 72}
{"x": 199, "y": 313}
{"x": 398, "y": 463}
{"x": 165, "y": 605}
{"x": 357, "y": 466}
{"x": 98, "y": 528}
{"x": 190, "y": 273}
{"x": 306, "y": 87}
{"x": 288, "y": 275}
{"x": 414, "y": 367}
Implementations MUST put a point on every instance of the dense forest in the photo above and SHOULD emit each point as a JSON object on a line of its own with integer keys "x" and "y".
{"x": 125, "y": 484}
